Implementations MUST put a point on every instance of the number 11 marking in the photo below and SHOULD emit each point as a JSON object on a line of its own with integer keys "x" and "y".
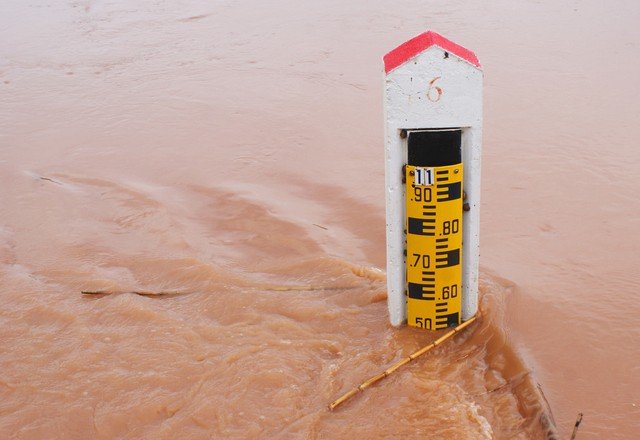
{"x": 424, "y": 176}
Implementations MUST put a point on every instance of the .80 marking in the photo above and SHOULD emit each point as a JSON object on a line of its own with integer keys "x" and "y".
{"x": 450, "y": 227}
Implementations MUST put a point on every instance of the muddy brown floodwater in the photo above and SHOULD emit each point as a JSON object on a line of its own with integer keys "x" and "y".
{"x": 231, "y": 153}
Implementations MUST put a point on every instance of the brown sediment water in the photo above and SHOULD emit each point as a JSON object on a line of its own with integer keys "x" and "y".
{"x": 231, "y": 154}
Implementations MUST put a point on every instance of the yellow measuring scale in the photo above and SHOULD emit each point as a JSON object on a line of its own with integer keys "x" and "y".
{"x": 434, "y": 245}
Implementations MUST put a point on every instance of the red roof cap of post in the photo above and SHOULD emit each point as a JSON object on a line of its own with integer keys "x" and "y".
{"x": 413, "y": 47}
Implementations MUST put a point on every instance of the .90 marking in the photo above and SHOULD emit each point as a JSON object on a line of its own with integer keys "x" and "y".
{"x": 422, "y": 194}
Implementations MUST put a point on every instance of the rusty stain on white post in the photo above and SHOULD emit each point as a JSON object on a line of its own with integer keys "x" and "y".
{"x": 431, "y": 83}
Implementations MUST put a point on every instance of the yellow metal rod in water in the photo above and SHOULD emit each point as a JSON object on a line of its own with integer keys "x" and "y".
{"x": 367, "y": 383}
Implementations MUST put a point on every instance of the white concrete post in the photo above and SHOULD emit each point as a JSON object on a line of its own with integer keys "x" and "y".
{"x": 431, "y": 83}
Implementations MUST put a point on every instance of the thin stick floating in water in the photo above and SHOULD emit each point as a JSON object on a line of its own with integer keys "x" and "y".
{"x": 176, "y": 293}
{"x": 304, "y": 288}
{"x": 367, "y": 383}
{"x": 576, "y": 426}
{"x": 135, "y": 292}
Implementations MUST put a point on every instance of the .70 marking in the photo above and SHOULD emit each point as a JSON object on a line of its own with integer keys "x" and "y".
{"x": 426, "y": 260}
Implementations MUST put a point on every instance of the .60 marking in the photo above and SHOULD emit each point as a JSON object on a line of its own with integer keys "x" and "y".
{"x": 450, "y": 291}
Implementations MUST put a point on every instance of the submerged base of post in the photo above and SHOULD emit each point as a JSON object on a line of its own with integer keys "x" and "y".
{"x": 367, "y": 383}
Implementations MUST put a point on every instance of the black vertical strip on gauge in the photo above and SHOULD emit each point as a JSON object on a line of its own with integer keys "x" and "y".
{"x": 434, "y": 148}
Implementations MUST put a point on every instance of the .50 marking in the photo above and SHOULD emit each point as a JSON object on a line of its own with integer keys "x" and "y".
{"x": 423, "y": 323}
